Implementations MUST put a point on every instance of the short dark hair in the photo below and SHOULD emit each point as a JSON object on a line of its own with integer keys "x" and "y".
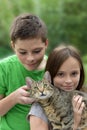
{"x": 57, "y": 58}
{"x": 28, "y": 26}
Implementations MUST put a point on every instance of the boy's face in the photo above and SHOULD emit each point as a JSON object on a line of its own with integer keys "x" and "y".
{"x": 30, "y": 52}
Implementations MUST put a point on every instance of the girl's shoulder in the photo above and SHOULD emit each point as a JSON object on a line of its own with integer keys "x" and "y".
{"x": 38, "y": 111}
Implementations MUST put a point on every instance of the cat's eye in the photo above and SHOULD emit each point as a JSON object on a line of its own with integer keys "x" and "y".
{"x": 35, "y": 87}
{"x": 45, "y": 85}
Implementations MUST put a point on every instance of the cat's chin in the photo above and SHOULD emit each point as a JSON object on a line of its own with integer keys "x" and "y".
{"x": 43, "y": 97}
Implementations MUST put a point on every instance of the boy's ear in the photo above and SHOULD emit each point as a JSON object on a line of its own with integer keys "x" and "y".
{"x": 12, "y": 45}
{"x": 47, "y": 76}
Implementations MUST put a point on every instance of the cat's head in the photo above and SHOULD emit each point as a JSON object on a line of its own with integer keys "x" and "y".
{"x": 42, "y": 89}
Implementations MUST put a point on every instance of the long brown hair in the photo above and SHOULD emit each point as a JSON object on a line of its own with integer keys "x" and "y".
{"x": 57, "y": 58}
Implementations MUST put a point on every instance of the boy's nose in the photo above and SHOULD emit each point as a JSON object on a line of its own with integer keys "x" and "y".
{"x": 30, "y": 57}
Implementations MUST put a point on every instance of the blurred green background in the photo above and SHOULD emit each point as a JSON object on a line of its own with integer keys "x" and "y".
{"x": 66, "y": 21}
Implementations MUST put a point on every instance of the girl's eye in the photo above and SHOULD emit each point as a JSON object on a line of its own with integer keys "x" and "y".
{"x": 60, "y": 74}
{"x": 75, "y": 73}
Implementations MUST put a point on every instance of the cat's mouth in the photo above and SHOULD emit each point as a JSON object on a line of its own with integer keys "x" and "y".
{"x": 43, "y": 95}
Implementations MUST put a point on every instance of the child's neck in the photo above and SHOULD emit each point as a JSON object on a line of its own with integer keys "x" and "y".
{"x": 42, "y": 64}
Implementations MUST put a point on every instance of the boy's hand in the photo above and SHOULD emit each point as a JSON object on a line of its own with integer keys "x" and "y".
{"x": 21, "y": 96}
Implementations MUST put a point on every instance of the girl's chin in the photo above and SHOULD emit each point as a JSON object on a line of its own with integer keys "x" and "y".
{"x": 68, "y": 90}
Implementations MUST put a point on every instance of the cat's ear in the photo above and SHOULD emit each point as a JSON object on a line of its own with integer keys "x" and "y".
{"x": 47, "y": 76}
{"x": 28, "y": 81}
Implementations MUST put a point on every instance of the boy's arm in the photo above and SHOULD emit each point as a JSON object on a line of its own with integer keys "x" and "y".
{"x": 21, "y": 96}
{"x": 6, "y": 104}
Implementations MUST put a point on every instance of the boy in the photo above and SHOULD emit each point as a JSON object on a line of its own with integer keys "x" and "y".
{"x": 29, "y": 41}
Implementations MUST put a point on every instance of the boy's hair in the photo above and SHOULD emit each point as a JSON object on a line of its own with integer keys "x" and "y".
{"x": 28, "y": 26}
{"x": 57, "y": 58}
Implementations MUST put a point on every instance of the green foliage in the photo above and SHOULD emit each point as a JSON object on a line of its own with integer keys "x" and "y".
{"x": 66, "y": 20}
{"x": 9, "y": 10}
{"x": 84, "y": 58}
{"x": 5, "y": 51}
{"x": 85, "y": 68}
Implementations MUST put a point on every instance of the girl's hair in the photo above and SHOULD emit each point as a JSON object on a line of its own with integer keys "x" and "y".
{"x": 28, "y": 26}
{"x": 57, "y": 58}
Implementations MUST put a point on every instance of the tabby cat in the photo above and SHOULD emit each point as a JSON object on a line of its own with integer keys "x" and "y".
{"x": 56, "y": 103}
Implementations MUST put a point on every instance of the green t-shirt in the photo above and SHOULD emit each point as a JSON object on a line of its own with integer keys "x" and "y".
{"x": 12, "y": 76}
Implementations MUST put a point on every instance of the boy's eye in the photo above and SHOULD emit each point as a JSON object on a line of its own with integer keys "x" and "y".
{"x": 36, "y": 51}
{"x": 23, "y": 53}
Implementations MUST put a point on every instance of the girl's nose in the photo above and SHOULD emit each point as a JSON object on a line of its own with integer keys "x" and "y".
{"x": 68, "y": 79}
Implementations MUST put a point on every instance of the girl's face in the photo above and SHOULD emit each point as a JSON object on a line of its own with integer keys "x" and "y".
{"x": 68, "y": 76}
{"x": 30, "y": 52}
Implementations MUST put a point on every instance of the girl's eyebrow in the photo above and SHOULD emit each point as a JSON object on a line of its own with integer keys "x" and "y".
{"x": 60, "y": 71}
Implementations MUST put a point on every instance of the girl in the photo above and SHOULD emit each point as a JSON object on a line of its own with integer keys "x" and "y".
{"x": 67, "y": 73}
